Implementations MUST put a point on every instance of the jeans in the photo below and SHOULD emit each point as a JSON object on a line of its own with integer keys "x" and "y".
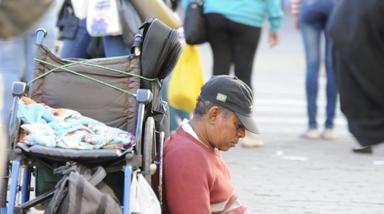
{"x": 17, "y": 57}
{"x": 314, "y": 15}
{"x": 77, "y": 47}
{"x": 232, "y": 43}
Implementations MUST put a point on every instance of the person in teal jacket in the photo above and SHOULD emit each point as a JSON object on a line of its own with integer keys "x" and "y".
{"x": 234, "y": 28}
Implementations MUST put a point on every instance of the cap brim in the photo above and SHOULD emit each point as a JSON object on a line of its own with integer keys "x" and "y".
{"x": 249, "y": 123}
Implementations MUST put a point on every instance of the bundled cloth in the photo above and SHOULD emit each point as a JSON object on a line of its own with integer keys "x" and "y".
{"x": 65, "y": 128}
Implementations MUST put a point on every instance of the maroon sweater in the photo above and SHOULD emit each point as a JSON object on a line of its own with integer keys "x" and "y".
{"x": 196, "y": 178}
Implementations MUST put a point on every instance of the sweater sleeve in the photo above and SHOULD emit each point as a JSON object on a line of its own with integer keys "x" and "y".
{"x": 186, "y": 177}
{"x": 275, "y": 14}
{"x": 184, "y": 3}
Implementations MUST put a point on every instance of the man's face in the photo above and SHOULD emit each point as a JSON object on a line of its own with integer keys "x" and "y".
{"x": 226, "y": 131}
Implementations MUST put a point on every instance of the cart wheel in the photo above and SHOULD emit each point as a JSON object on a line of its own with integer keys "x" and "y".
{"x": 149, "y": 138}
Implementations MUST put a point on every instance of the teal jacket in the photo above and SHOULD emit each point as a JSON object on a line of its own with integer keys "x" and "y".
{"x": 247, "y": 12}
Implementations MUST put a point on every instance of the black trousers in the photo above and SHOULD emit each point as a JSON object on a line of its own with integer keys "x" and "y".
{"x": 232, "y": 43}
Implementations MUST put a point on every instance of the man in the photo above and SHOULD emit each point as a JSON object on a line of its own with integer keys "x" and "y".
{"x": 356, "y": 29}
{"x": 196, "y": 178}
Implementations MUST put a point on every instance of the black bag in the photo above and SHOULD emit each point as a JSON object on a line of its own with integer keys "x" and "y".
{"x": 194, "y": 23}
{"x": 81, "y": 190}
{"x": 67, "y": 22}
{"x": 130, "y": 21}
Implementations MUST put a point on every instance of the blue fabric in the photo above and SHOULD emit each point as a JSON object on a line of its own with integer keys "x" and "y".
{"x": 247, "y": 12}
{"x": 313, "y": 19}
{"x": 77, "y": 47}
{"x": 68, "y": 129}
{"x": 17, "y": 56}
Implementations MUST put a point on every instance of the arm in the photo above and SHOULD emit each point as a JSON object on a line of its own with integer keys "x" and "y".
{"x": 273, "y": 39}
{"x": 275, "y": 17}
{"x": 186, "y": 183}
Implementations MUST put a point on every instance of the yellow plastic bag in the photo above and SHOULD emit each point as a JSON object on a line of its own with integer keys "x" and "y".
{"x": 186, "y": 80}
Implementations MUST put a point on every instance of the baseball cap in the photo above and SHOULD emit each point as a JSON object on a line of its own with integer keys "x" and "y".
{"x": 233, "y": 94}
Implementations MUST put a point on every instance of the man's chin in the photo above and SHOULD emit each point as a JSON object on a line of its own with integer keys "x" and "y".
{"x": 226, "y": 148}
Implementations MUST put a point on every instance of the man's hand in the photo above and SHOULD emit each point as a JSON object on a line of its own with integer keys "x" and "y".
{"x": 273, "y": 39}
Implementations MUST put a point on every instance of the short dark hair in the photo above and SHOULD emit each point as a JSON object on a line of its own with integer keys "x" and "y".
{"x": 203, "y": 105}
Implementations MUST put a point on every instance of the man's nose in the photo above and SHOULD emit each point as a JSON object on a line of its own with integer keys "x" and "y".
{"x": 241, "y": 133}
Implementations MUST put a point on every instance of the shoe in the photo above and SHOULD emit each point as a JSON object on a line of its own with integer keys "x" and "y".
{"x": 251, "y": 140}
{"x": 363, "y": 150}
{"x": 328, "y": 134}
{"x": 312, "y": 134}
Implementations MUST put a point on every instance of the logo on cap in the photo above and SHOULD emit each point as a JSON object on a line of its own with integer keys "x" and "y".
{"x": 221, "y": 97}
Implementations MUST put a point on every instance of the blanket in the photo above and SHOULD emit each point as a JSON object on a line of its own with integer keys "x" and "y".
{"x": 66, "y": 128}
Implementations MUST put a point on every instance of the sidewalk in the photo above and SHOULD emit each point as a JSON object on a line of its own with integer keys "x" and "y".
{"x": 290, "y": 174}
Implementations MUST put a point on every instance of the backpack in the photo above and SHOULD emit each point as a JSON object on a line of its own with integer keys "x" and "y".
{"x": 81, "y": 190}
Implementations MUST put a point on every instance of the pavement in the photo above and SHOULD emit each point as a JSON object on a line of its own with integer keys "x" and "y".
{"x": 291, "y": 174}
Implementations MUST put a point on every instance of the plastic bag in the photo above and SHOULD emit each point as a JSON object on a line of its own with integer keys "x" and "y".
{"x": 186, "y": 80}
{"x": 143, "y": 199}
{"x": 103, "y": 18}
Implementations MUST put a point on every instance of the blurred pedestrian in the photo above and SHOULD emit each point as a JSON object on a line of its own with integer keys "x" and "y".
{"x": 234, "y": 29}
{"x": 14, "y": 21}
{"x": 356, "y": 29}
{"x": 195, "y": 176}
{"x": 313, "y": 17}
{"x": 77, "y": 42}
{"x": 17, "y": 55}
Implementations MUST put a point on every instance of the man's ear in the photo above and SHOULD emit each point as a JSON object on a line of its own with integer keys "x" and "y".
{"x": 213, "y": 114}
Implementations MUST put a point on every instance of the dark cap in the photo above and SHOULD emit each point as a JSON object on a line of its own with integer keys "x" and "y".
{"x": 233, "y": 94}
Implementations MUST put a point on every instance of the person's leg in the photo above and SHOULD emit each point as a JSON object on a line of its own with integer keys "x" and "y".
{"x": 12, "y": 67}
{"x": 220, "y": 42}
{"x": 331, "y": 87}
{"x": 115, "y": 46}
{"x": 311, "y": 32}
{"x": 77, "y": 47}
{"x": 331, "y": 91}
{"x": 17, "y": 59}
{"x": 3, "y": 139}
{"x": 245, "y": 40}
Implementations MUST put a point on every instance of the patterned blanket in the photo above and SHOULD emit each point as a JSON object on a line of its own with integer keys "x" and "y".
{"x": 65, "y": 128}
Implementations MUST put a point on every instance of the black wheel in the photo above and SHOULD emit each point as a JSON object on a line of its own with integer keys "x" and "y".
{"x": 148, "y": 142}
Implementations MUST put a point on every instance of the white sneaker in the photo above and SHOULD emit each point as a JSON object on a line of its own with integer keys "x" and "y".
{"x": 312, "y": 134}
{"x": 251, "y": 140}
{"x": 328, "y": 134}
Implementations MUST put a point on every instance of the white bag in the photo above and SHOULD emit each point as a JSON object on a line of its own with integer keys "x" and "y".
{"x": 143, "y": 199}
{"x": 80, "y": 8}
{"x": 103, "y": 18}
